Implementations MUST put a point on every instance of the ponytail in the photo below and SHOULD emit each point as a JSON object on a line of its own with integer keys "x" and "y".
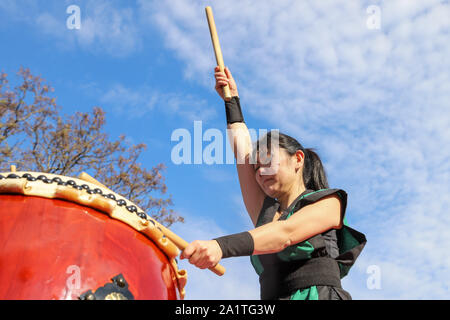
{"x": 314, "y": 175}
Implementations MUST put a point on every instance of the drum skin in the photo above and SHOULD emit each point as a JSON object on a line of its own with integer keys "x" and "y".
{"x": 55, "y": 249}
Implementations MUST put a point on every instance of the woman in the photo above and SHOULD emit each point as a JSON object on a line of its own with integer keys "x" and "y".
{"x": 300, "y": 247}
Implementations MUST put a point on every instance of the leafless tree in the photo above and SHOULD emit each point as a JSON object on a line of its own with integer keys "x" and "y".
{"x": 35, "y": 137}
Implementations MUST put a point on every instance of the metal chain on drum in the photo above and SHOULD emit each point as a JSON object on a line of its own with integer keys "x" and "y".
{"x": 89, "y": 190}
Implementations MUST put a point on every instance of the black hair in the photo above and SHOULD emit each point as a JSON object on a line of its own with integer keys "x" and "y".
{"x": 314, "y": 175}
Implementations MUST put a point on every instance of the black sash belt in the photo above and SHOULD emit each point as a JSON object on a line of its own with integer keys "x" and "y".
{"x": 282, "y": 279}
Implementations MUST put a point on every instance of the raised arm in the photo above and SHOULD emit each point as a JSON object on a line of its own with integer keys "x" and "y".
{"x": 241, "y": 144}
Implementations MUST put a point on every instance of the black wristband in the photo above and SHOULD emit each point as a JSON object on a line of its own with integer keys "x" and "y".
{"x": 233, "y": 110}
{"x": 236, "y": 245}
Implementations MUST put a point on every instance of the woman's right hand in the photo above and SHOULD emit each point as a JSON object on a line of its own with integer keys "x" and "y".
{"x": 223, "y": 79}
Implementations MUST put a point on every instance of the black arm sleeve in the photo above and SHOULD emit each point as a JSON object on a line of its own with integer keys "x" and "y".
{"x": 236, "y": 245}
{"x": 233, "y": 110}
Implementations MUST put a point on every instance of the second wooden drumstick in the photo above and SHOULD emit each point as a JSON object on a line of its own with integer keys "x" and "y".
{"x": 217, "y": 49}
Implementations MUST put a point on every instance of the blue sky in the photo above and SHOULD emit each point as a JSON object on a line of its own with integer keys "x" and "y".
{"x": 373, "y": 102}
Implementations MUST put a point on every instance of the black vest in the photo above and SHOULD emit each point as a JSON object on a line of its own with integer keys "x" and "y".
{"x": 321, "y": 260}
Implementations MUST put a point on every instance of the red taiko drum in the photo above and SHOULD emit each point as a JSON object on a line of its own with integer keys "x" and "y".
{"x": 65, "y": 238}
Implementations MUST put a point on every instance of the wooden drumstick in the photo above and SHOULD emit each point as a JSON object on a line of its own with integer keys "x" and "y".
{"x": 217, "y": 49}
{"x": 84, "y": 176}
{"x": 177, "y": 240}
{"x": 182, "y": 244}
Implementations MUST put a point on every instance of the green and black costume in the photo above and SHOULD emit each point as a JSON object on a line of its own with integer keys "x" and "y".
{"x": 312, "y": 269}
{"x": 309, "y": 270}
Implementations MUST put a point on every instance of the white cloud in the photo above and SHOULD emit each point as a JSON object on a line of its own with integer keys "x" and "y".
{"x": 106, "y": 27}
{"x": 172, "y": 27}
{"x": 140, "y": 101}
{"x": 130, "y": 102}
{"x": 188, "y": 106}
{"x": 374, "y": 102}
{"x": 214, "y": 174}
{"x": 14, "y": 9}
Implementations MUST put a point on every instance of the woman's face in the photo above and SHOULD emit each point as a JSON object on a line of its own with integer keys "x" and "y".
{"x": 278, "y": 172}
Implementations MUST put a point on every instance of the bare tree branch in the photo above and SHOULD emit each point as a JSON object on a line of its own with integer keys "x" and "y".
{"x": 36, "y": 138}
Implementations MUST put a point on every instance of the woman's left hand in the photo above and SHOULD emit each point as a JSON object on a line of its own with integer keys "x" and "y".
{"x": 203, "y": 254}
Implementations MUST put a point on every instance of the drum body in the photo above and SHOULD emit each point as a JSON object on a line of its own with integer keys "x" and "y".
{"x": 58, "y": 249}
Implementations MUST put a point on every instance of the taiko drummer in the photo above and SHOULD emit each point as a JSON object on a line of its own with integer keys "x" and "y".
{"x": 301, "y": 246}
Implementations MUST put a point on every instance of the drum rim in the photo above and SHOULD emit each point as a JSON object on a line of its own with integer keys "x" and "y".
{"x": 20, "y": 183}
